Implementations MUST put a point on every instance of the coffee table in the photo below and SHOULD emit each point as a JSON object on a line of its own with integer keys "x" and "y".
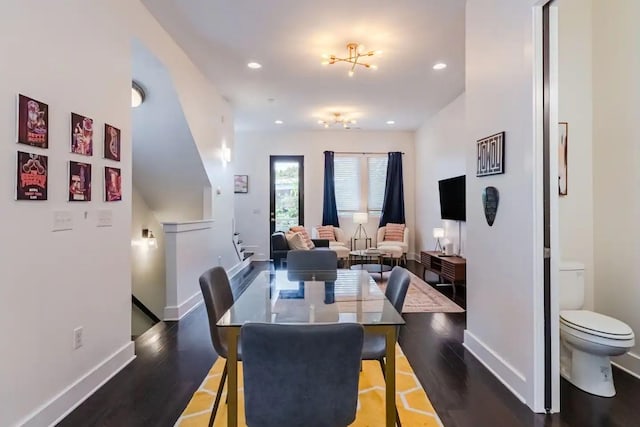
{"x": 368, "y": 256}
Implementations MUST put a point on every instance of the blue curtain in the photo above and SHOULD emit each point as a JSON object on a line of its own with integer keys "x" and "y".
{"x": 393, "y": 203}
{"x": 329, "y": 208}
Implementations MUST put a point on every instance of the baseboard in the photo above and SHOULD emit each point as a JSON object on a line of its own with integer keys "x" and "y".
{"x": 233, "y": 271}
{"x": 506, "y": 374}
{"x": 414, "y": 257}
{"x": 173, "y": 313}
{"x": 71, "y": 397}
{"x": 629, "y": 363}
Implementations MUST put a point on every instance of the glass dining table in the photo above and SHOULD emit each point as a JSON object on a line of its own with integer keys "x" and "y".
{"x": 313, "y": 297}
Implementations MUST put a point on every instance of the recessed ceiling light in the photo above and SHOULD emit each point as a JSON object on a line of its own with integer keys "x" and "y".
{"x": 391, "y": 122}
{"x": 254, "y": 65}
{"x": 278, "y": 122}
{"x": 440, "y": 66}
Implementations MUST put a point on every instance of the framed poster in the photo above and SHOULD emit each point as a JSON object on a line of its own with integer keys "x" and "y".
{"x": 79, "y": 182}
{"x": 111, "y": 143}
{"x": 81, "y": 135}
{"x": 112, "y": 184}
{"x": 33, "y": 122}
{"x": 563, "y": 143}
{"x": 241, "y": 183}
{"x": 491, "y": 155}
{"x": 32, "y": 177}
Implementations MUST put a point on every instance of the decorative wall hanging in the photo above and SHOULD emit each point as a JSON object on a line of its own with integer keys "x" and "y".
{"x": 81, "y": 135}
{"x": 563, "y": 144}
{"x": 111, "y": 143}
{"x": 241, "y": 183}
{"x": 112, "y": 184}
{"x": 32, "y": 174}
{"x": 33, "y": 122}
{"x": 490, "y": 201}
{"x": 79, "y": 182}
{"x": 491, "y": 155}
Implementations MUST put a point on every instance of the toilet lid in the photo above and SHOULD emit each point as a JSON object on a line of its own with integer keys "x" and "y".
{"x": 596, "y": 324}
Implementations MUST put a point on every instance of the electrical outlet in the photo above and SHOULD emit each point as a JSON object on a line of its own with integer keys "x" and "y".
{"x": 77, "y": 338}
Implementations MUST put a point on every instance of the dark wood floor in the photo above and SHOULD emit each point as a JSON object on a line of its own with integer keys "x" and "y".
{"x": 173, "y": 358}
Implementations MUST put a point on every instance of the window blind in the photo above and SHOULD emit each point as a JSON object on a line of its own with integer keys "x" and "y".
{"x": 347, "y": 181}
{"x": 377, "y": 177}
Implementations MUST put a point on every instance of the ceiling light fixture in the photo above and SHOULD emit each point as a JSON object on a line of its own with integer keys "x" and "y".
{"x": 137, "y": 95}
{"x": 254, "y": 65}
{"x": 391, "y": 122}
{"x": 278, "y": 122}
{"x": 440, "y": 66}
{"x": 337, "y": 120}
{"x": 355, "y": 52}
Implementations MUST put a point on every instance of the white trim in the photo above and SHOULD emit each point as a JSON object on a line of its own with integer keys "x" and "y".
{"x": 183, "y": 227}
{"x": 500, "y": 368}
{"x": 629, "y": 363}
{"x": 174, "y": 313}
{"x": 72, "y": 396}
{"x": 233, "y": 271}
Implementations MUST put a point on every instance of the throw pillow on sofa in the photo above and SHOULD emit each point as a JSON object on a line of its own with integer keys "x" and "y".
{"x": 326, "y": 232}
{"x": 296, "y": 241}
{"x": 305, "y": 235}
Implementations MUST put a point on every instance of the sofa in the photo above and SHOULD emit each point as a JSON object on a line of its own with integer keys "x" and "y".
{"x": 280, "y": 247}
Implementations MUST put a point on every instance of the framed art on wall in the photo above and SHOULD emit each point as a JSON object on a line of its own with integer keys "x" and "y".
{"x": 32, "y": 177}
{"x": 563, "y": 143}
{"x": 79, "y": 182}
{"x": 111, "y": 143}
{"x": 112, "y": 184}
{"x": 241, "y": 183}
{"x": 81, "y": 135}
{"x": 33, "y": 122}
{"x": 491, "y": 155}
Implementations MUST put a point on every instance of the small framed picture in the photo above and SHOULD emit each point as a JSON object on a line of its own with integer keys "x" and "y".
{"x": 79, "y": 182}
{"x": 241, "y": 184}
{"x": 112, "y": 184}
{"x": 563, "y": 144}
{"x": 81, "y": 135}
{"x": 33, "y": 177}
{"x": 33, "y": 122}
{"x": 111, "y": 143}
{"x": 490, "y": 155}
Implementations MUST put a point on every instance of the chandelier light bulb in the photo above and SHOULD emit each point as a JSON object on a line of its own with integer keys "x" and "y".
{"x": 350, "y": 73}
{"x": 374, "y": 67}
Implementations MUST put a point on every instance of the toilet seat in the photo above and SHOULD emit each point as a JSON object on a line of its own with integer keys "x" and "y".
{"x": 596, "y": 324}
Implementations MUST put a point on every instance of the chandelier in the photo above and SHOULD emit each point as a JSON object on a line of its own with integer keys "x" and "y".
{"x": 355, "y": 56}
{"x": 337, "y": 120}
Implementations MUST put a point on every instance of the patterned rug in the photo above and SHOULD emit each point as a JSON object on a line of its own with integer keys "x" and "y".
{"x": 422, "y": 297}
{"x": 414, "y": 407}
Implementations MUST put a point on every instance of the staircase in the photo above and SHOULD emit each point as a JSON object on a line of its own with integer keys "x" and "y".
{"x": 242, "y": 250}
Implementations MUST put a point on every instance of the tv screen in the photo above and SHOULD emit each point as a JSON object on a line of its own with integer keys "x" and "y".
{"x": 452, "y": 198}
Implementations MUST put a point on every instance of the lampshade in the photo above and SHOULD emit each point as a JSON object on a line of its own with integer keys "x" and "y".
{"x": 360, "y": 217}
{"x": 438, "y": 233}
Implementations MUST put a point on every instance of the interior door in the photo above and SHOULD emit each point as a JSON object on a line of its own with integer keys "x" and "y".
{"x": 286, "y": 192}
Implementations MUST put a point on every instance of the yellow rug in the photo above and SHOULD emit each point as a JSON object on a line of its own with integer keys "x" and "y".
{"x": 414, "y": 407}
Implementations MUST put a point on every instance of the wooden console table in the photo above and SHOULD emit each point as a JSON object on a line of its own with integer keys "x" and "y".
{"x": 452, "y": 268}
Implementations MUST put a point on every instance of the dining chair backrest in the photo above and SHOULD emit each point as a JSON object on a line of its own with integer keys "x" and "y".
{"x": 397, "y": 287}
{"x": 317, "y": 259}
{"x": 301, "y": 375}
{"x": 218, "y": 298}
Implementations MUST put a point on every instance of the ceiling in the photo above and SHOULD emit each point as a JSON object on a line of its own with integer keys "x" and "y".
{"x": 288, "y": 37}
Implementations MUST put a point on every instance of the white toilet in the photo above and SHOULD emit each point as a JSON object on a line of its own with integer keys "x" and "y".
{"x": 587, "y": 339}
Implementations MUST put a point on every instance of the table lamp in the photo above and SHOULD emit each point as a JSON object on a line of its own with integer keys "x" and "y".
{"x": 360, "y": 218}
{"x": 438, "y": 233}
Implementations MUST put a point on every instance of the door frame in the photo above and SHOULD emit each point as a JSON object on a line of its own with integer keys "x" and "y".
{"x": 272, "y": 192}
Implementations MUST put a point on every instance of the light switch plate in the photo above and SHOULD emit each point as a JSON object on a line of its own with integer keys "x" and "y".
{"x": 105, "y": 218}
{"x": 62, "y": 220}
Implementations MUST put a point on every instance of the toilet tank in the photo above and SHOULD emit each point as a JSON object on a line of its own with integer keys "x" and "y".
{"x": 571, "y": 285}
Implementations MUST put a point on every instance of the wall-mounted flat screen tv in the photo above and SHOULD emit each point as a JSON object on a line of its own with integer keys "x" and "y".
{"x": 452, "y": 198}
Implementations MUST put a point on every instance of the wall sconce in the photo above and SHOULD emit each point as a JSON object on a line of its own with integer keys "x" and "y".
{"x": 149, "y": 238}
{"x": 225, "y": 154}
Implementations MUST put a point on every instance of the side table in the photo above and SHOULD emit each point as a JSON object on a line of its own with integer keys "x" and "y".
{"x": 354, "y": 242}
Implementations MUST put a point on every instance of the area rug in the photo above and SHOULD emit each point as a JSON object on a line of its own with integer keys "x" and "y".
{"x": 422, "y": 297}
{"x": 414, "y": 407}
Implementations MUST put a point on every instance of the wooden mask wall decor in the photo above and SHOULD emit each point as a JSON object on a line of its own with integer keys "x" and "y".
{"x": 490, "y": 200}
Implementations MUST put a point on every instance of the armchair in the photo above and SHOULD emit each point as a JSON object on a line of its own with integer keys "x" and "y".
{"x": 402, "y": 244}
{"x": 340, "y": 242}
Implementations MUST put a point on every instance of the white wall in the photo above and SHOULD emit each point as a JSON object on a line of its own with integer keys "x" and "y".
{"x": 148, "y": 277}
{"x": 616, "y": 154}
{"x": 576, "y": 107}
{"x": 440, "y": 154}
{"x": 252, "y": 158}
{"x": 75, "y": 58}
{"x": 501, "y": 286}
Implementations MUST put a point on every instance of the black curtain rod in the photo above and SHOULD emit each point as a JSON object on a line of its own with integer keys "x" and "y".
{"x": 360, "y": 152}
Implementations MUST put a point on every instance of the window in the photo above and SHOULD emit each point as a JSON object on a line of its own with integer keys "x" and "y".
{"x": 360, "y": 182}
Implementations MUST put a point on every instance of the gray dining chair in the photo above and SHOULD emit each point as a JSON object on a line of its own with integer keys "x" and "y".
{"x": 302, "y": 260}
{"x": 218, "y": 298}
{"x": 374, "y": 347}
{"x": 301, "y": 375}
